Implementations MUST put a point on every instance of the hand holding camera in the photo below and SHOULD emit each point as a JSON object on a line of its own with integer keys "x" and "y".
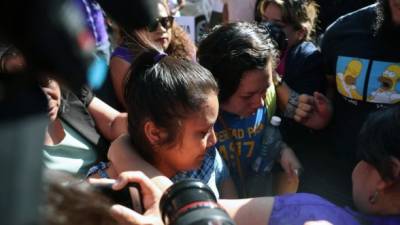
{"x": 146, "y": 192}
{"x": 186, "y": 202}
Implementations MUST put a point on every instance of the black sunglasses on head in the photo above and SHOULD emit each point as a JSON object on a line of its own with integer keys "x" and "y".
{"x": 165, "y": 22}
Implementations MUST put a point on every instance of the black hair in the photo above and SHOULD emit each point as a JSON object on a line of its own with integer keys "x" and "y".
{"x": 67, "y": 197}
{"x": 383, "y": 15}
{"x": 384, "y": 27}
{"x": 232, "y": 49}
{"x": 164, "y": 90}
{"x": 379, "y": 141}
{"x": 301, "y": 14}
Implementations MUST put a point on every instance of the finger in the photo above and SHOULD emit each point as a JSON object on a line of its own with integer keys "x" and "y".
{"x": 320, "y": 98}
{"x": 298, "y": 118}
{"x": 101, "y": 181}
{"x": 136, "y": 176}
{"x": 302, "y": 114}
{"x": 305, "y": 107}
{"x": 130, "y": 176}
{"x": 287, "y": 168}
{"x": 125, "y": 216}
{"x": 306, "y": 99}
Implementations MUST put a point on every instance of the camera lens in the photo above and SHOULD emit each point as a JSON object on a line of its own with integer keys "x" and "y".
{"x": 191, "y": 202}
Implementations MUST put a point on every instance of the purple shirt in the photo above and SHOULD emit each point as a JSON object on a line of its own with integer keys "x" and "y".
{"x": 296, "y": 209}
{"x": 123, "y": 53}
{"x": 94, "y": 20}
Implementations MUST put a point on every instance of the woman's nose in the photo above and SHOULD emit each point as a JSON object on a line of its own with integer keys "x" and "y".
{"x": 259, "y": 101}
{"x": 212, "y": 139}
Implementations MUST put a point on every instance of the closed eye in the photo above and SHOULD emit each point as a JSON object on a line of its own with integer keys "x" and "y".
{"x": 246, "y": 97}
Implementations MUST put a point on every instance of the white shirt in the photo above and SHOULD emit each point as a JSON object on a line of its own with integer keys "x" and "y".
{"x": 241, "y": 10}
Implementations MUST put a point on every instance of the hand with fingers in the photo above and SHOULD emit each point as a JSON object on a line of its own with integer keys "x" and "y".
{"x": 289, "y": 162}
{"x": 313, "y": 111}
{"x": 150, "y": 195}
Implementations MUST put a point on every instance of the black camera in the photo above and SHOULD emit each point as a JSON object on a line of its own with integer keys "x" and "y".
{"x": 130, "y": 196}
{"x": 191, "y": 202}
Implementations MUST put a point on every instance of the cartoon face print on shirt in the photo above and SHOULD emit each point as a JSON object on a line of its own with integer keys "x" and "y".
{"x": 384, "y": 87}
{"x": 350, "y": 76}
{"x": 368, "y": 80}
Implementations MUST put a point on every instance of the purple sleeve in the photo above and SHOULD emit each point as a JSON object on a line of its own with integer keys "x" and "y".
{"x": 296, "y": 209}
{"x": 123, "y": 53}
{"x": 94, "y": 20}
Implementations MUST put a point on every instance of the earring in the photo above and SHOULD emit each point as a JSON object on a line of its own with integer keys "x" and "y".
{"x": 373, "y": 198}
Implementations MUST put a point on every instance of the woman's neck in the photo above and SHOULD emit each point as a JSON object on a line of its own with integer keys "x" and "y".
{"x": 165, "y": 169}
{"x": 54, "y": 133}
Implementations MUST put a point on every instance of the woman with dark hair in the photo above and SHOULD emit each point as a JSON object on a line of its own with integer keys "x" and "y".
{"x": 300, "y": 65}
{"x": 165, "y": 35}
{"x": 241, "y": 57}
{"x": 79, "y": 130}
{"x": 172, "y": 107}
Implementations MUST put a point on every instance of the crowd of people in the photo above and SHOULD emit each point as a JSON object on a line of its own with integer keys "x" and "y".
{"x": 171, "y": 109}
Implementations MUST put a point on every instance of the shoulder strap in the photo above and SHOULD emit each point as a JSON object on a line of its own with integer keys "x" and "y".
{"x": 75, "y": 114}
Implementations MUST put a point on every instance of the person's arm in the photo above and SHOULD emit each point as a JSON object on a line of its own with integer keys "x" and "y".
{"x": 289, "y": 161}
{"x": 312, "y": 111}
{"x": 124, "y": 158}
{"x": 109, "y": 121}
{"x": 225, "y": 13}
{"x": 228, "y": 189}
{"x": 255, "y": 211}
{"x": 181, "y": 4}
{"x": 119, "y": 69}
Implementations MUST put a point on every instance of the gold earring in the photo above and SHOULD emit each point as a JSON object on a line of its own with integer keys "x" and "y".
{"x": 373, "y": 198}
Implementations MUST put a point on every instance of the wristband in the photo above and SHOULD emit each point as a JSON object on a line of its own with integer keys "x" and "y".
{"x": 291, "y": 107}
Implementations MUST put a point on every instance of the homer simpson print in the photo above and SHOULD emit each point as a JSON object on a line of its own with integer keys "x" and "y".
{"x": 350, "y": 75}
{"x": 385, "y": 83}
{"x": 368, "y": 80}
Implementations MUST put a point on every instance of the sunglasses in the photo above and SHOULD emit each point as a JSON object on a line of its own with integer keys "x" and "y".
{"x": 165, "y": 22}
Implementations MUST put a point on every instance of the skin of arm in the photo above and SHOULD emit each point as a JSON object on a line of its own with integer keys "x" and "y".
{"x": 109, "y": 121}
{"x": 118, "y": 69}
{"x": 289, "y": 161}
{"x": 225, "y": 14}
{"x": 228, "y": 190}
{"x": 256, "y": 210}
{"x": 121, "y": 151}
{"x": 128, "y": 160}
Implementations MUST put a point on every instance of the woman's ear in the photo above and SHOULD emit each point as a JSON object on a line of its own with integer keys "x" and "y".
{"x": 154, "y": 134}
